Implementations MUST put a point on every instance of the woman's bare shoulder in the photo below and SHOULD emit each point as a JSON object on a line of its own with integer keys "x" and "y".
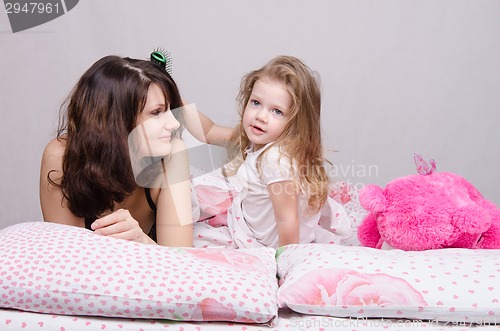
{"x": 55, "y": 147}
{"x": 53, "y": 154}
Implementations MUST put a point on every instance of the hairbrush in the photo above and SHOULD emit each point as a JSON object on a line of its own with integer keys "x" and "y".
{"x": 163, "y": 58}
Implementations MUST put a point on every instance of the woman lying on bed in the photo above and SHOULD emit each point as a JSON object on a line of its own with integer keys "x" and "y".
{"x": 118, "y": 165}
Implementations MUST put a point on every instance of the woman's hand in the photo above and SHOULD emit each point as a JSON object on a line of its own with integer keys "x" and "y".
{"x": 120, "y": 224}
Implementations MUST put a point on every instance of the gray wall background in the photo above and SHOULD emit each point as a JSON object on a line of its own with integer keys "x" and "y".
{"x": 398, "y": 77}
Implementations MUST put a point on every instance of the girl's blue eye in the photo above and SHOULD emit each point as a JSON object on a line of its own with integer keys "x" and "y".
{"x": 255, "y": 103}
{"x": 277, "y": 112}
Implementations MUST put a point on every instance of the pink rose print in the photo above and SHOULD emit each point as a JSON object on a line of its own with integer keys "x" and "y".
{"x": 377, "y": 289}
{"x": 231, "y": 258}
{"x": 344, "y": 287}
{"x": 218, "y": 220}
{"x": 212, "y": 200}
{"x": 210, "y": 309}
{"x": 341, "y": 193}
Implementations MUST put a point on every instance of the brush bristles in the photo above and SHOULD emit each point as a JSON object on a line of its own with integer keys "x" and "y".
{"x": 167, "y": 63}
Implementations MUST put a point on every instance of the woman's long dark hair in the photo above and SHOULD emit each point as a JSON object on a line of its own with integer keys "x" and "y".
{"x": 100, "y": 113}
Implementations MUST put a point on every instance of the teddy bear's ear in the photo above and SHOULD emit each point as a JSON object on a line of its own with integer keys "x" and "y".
{"x": 372, "y": 198}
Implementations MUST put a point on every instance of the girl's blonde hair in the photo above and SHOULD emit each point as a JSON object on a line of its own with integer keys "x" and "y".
{"x": 301, "y": 138}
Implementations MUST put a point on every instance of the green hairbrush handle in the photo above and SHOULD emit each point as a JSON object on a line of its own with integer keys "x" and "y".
{"x": 159, "y": 58}
{"x": 163, "y": 58}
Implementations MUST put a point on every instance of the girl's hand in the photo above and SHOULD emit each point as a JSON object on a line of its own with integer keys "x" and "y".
{"x": 120, "y": 224}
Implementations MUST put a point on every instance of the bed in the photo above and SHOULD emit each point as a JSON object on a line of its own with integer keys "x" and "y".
{"x": 57, "y": 277}
{"x": 15, "y": 320}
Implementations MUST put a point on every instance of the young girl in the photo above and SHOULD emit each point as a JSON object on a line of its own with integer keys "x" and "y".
{"x": 284, "y": 198}
{"x": 118, "y": 115}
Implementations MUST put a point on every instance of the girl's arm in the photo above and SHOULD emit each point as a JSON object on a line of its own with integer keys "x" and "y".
{"x": 285, "y": 204}
{"x": 174, "y": 220}
{"x": 204, "y": 129}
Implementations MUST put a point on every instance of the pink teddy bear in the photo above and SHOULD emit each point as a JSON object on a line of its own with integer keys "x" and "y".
{"x": 428, "y": 211}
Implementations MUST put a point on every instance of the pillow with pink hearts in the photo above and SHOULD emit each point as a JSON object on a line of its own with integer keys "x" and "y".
{"x": 458, "y": 285}
{"x": 61, "y": 269}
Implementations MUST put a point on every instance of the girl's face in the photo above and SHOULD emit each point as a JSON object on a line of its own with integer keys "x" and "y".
{"x": 154, "y": 126}
{"x": 267, "y": 112}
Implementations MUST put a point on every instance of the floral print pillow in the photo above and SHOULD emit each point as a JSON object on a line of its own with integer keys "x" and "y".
{"x": 458, "y": 285}
{"x": 66, "y": 270}
{"x": 215, "y": 193}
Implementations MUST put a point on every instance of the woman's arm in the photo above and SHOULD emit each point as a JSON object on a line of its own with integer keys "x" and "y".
{"x": 285, "y": 204}
{"x": 53, "y": 204}
{"x": 174, "y": 220}
{"x": 204, "y": 129}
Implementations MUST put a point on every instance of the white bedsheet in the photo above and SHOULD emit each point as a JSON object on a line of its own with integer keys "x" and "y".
{"x": 13, "y": 320}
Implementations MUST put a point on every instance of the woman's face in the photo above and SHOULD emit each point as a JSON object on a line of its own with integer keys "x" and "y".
{"x": 154, "y": 126}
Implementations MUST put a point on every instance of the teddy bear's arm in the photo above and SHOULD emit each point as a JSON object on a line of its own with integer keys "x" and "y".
{"x": 368, "y": 233}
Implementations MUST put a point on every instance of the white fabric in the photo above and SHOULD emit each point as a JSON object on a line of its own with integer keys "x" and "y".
{"x": 14, "y": 320}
